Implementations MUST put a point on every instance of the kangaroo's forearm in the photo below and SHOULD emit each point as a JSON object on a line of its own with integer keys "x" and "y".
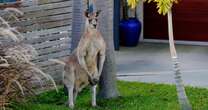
{"x": 101, "y": 63}
{"x": 82, "y": 63}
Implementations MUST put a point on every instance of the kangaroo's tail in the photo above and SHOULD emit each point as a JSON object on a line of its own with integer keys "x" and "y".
{"x": 58, "y": 61}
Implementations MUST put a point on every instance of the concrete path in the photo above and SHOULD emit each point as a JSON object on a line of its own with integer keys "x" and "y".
{"x": 150, "y": 62}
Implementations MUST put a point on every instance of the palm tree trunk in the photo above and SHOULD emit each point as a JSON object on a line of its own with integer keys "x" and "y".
{"x": 108, "y": 88}
{"x": 182, "y": 97}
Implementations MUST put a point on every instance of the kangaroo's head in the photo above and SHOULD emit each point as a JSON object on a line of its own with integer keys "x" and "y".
{"x": 92, "y": 19}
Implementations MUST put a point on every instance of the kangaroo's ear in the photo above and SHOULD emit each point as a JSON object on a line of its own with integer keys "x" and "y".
{"x": 86, "y": 13}
{"x": 98, "y": 13}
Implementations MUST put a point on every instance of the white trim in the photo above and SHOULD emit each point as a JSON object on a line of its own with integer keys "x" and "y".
{"x": 177, "y": 42}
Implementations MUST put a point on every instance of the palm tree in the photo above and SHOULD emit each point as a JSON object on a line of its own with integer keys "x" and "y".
{"x": 107, "y": 86}
{"x": 182, "y": 97}
{"x": 164, "y": 7}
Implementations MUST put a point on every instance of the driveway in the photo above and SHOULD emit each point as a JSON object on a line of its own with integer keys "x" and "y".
{"x": 149, "y": 62}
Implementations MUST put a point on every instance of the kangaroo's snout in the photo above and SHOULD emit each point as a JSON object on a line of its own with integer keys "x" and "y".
{"x": 94, "y": 25}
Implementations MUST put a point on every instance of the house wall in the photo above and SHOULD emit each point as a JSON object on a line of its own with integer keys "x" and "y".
{"x": 46, "y": 24}
{"x": 190, "y": 21}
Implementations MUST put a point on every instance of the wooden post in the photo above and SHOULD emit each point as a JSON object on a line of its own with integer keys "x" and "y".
{"x": 116, "y": 23}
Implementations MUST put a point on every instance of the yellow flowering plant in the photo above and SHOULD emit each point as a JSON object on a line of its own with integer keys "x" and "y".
{"x": 163, "y": 6}
{"x": 132, "y": 3}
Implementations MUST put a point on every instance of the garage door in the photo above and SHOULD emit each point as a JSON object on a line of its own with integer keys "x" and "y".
{"x": 190, "y": 18}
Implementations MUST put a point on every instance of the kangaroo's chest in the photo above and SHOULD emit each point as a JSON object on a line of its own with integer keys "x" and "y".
{"x": 91, "y": 53}
{"x": 94, "y": 47}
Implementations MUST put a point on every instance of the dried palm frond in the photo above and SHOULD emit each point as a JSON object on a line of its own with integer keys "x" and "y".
{"x": 13, "y": 10}
{"x": 17, "y": 72}
{"x": 13, "y": 13}
{"x": 17, "y": 77}
{"x": 21, "y": 53}
{"x": 6, "y": 33}
{"x": 3, "y": 62}
{"x": 4, "y": 23}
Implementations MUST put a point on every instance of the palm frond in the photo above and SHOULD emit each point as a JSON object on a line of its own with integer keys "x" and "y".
{"x": 163, "y": 6}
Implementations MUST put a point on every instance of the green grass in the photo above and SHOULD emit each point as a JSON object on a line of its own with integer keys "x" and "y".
{"x": 134, "y": 96}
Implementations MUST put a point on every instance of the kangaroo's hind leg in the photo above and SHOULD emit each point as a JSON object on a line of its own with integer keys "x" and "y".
{"x": 69, "y": 80}
{"x": 94, "y": 95}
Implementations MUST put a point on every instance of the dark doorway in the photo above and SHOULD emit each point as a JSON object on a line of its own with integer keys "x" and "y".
{"x": 190, "y": 20}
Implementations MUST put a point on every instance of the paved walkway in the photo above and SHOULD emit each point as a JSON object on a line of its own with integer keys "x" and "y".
{"x": 150, "y": 62}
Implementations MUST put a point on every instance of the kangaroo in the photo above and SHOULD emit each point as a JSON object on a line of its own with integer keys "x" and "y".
{"x": 84, "y": 66}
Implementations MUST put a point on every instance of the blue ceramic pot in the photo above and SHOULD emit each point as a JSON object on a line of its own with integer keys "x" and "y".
{"x": 130, "y": 30}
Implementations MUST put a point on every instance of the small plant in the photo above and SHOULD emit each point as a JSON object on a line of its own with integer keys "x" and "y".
{"x": 17, "y": 73}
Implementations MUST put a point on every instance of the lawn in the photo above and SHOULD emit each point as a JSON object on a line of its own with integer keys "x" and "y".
{"x": 134, "y": 96}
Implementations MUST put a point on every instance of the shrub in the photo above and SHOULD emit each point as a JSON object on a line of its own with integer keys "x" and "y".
{"x": 17, "y": 72}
